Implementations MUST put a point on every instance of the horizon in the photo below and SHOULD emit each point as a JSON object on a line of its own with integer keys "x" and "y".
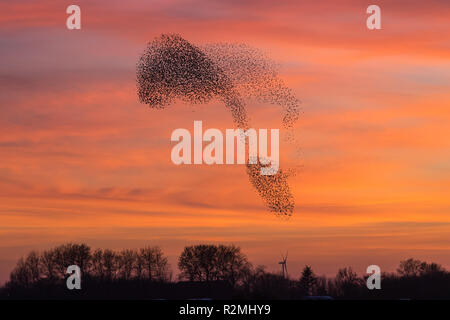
{"x": 175, "y": 271}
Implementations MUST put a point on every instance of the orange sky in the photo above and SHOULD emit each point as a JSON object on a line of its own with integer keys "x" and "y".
{"x": 82, "y": 160}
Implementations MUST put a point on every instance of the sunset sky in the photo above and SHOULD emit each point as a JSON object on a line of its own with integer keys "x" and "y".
{"x": 82, "y": 160}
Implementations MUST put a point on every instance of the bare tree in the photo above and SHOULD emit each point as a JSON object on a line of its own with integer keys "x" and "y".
{"x": 81, "y": 256}
{"x": 140, "y": 265}
{"x": 153, "y": 263}
{"x": 211, "y": 262}
{"x": 347, "y": 282}
{"x": 322, "y": 286}
{"x": 409, "y": 267}
{"x": 162, "y": 267}
{"x": 198, "y": 263}
{"x": 414, "y": 268}
{"x": 32, "y": 263}
{"x": 126, "y": 263}
{"x": 97, "y": 264}
{"x": 48, "y": 266}
{"x": 109, "y": 262}
{"x": 232, "y": 264}
{"x": 71, "y": 254}
{"x": 21, "y": 275}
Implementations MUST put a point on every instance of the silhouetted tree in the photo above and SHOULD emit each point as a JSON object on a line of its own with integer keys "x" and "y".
{"x": 48, "y": 266}
{"x": 347, "y": 282}
{"x": 197, "y": 263}
{"x": 21, "y": 275}
{"x": 217, "y": 271}
{"x": 71, "y": 254}
{"x": 27, "y": 271}
{"x": 232, "y": 265}
{"x": 139, "y": 266}
{"x": 211, "y": 263}
{"x": 154, "y": 264}
{"x": 97, "y": 264}
{"x": 81, "y": 254}
{"x": 32, "y": 262}
{"x": 322, "y": 284}
{"x": 409, "y": 267}
{"x": 265, "y": 285}
{"x": 413, "y": 268}
{"x": 127, "y": 261}
{"x": 109, "y": 263}
{"x": 308, "y": 281}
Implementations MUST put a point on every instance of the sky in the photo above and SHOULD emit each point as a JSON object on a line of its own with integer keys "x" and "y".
{"x": 83, "y": 161}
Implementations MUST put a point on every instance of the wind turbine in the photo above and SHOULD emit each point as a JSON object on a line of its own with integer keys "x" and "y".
{"x": 284, "y": 265}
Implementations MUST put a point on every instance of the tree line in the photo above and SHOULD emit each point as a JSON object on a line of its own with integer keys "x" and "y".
{"x": 214, "y": 271}
{"x": 51, "y": 265}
